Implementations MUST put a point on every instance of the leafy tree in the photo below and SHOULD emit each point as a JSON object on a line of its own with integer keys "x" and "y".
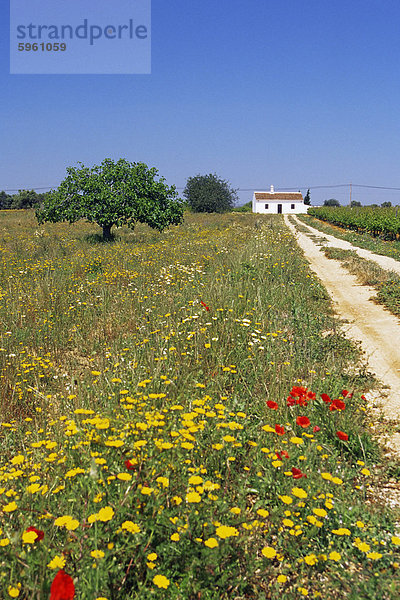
{"x": 26, "y": 199}
{"x": 355, "y": 203}
{"x": 307, "y": 199}
{"x": 332, "y": 202}
{"x": 5, "y": 200}
{"x": 386, "y": 204}
{"x": 209, "y": 193}
{"x": 113, "y": 193}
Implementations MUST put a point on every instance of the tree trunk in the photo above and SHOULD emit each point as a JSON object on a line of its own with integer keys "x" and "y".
{"x": 107, "y": 233}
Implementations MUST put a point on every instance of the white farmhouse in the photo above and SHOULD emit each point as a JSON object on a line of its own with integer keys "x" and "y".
{"x": 278, "y": 202}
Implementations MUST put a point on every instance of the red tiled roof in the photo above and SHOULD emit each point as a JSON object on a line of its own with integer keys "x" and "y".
{"x": 278, "y": 196}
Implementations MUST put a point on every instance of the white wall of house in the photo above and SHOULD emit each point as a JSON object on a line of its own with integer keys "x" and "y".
{"x": 292, "y": 207}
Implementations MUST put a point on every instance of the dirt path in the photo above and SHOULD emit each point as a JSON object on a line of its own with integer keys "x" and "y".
{"x": 386, "y": 262}
{"x": 374, "y": 327}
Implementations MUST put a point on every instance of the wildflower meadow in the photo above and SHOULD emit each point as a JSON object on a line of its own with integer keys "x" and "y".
{"x": 182, "y": 418}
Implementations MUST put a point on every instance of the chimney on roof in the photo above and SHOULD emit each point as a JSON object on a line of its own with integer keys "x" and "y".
{"x": 272, "y": 189}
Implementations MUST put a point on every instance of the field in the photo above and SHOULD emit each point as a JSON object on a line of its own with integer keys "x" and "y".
{"x": 181, "y": 418}
{"x": 366, "y": 219}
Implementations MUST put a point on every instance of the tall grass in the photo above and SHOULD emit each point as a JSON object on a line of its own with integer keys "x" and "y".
{"x": 181, "y": 418}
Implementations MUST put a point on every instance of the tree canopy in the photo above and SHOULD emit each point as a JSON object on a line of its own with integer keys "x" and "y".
{"x": 209, "y": 193}
{"x": 331, "y": 202}
{"x": 307, "y": 199}
{"x": 113, "y": 193}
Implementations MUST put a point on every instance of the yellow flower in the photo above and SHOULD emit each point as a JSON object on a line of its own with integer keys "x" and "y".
{"x": 9, "y": 507}
{"x": 366, "y": 472}
{"x": 130, "y": 526}
{"x": 67, "y": 522}
{"x": 297, "y": 441}
{"x": 161, "y": 581}
{"x": 146, "y": 491}
{"x": 164, "y": 481}
{"x": 335, "y": 556}
{"x": 396, "y": 540}
{"x": 363, "y": 546}
{"x": 17, "y": 460}
{"x": 97, "y": 553}
{"x": 4, "y": 542}
{"x": 58, "y": 562}
{"x": 235, "y": 510}
{"x": 13, "y": 590}
{"x": 175, "y": 537}
{"x": 286, "y": 499}
{"x": 360, "y": 524}
{"x": 105, "y": 514}
{"x": 268, "y": 552}
{"x": 73, "y": 472}
{"x": 310, "y": 559}
{"x": 152, "y": 556}
{"x": 287, "y": 522}
{"x": 374, "y": 555}
{"x": 124, "y": 476}
{"x": 341, "y": 531}
{"x": 211, "y": 543}
{"x": 299, "y": 492}
{"x": 29, "y": 537}
{"x": 281, "y": 578}
{"x": 224, "y": 531}
{"x": 195, "y": 480}
{"x": 193, "y": 497}
{"x": 320, "y": 512}
{"x": 262, "y": 512}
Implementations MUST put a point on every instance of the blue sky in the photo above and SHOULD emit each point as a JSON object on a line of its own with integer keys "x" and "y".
{"x": 294, "y": 93}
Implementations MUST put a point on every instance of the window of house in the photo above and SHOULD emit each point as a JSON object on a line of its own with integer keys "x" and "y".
{"x": 266, "y": 206}
{"x": 292, "y": 206}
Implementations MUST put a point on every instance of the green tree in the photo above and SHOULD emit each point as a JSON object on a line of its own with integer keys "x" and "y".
{"x": 386, "y": 204}
{"x": 209, "y": 193}
{"x": 355, "y": 203}
{"x": 5, "y": 200}
{"x": 307, "y": 199}
{"x": 113, "y": 193}
{"x": 26, "y": 199}
{"x": 331, "y": 202}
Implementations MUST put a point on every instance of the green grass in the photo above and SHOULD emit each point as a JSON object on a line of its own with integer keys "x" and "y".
{"x": 178, "y": 352}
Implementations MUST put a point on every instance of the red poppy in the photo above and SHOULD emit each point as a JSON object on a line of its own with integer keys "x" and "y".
{"x": 290, "y": 401}
{"x": 337, "y": 405}
{"x": 205, "y": 305}
{"x": 39, "y": 533}
{"x": 297, "y": 474}
{"x": 282, "y": 454}
{"x": 316, "y": 428}
{"x": 129, "y": 465}
{"x": 342, "y": 436}
{"x": 272, "y": 404}
{"x": 62, "y": 587}
{"x": 326, "y": 398}
{"x": 344, "y": 393}
{"x": 303, "y": 421}
{"x": 279, "y": 429}
{"x": 363, "y": 397}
